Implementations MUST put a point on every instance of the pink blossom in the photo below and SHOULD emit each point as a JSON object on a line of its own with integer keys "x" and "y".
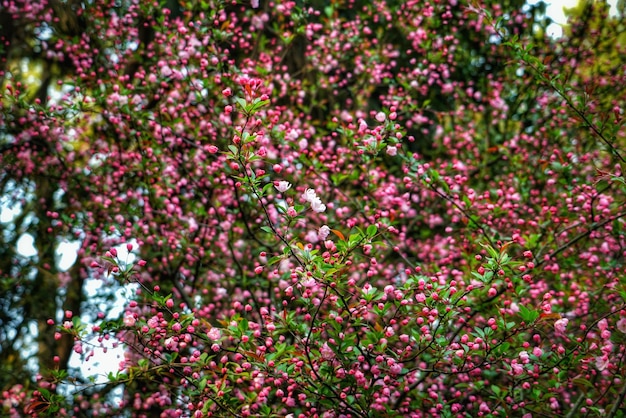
{"x": 517, "y": 369}
{"x": 171, "y": 343}
{"x": 323, "y": 232}
{"x": 621, "y": 325}
{"x": 523, "y": 355}
{"x": 327, "y": 352}
{"x": 311, "y": 236}
{"x": 560, "y": 325}
{"x": 214, "y": 334}
{"x": 129, "y": 320}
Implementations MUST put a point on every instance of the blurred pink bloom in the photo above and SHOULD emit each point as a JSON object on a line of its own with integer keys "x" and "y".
{"x": 129, "y": 320}
{"x": 560, "y": 325}
{"x": 214, "y": 334}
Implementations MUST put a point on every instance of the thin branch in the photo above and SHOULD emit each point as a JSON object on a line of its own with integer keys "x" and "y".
{"x": 594, "y": 227}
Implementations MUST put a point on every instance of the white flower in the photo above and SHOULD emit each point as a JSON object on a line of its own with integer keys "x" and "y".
{"x": 391, "y": 150}
{"x": 282, "y": 186}
{"x": 309, "y": 195}
{"x": 317, "y": 205}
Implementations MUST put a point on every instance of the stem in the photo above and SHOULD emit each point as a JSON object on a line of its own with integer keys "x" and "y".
{"x": 577, "y": 238}
{"x": 572, "y": 412}
{"x": 618, "y": 403}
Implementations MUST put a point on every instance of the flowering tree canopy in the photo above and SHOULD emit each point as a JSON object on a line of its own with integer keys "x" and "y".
{"x": 331, "y": 208}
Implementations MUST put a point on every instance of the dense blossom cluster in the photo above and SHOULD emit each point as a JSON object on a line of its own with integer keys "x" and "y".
{"x": 339, "y": 209}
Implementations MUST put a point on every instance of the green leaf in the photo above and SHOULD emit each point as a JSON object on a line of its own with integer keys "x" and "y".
{"x": 434, "y": 174}
{"x": 372, "y": 230}
{"x": 267, "y": 187}
{"x": 274, "y": 260}
{"x": 202, "y": 384}
{"x": 76, "y": 322}
{"x": 492, "y": 251}
{"x": 527, "y": 315}
{"x": 233, "y": 149}
{"x": 242, "y": 103}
